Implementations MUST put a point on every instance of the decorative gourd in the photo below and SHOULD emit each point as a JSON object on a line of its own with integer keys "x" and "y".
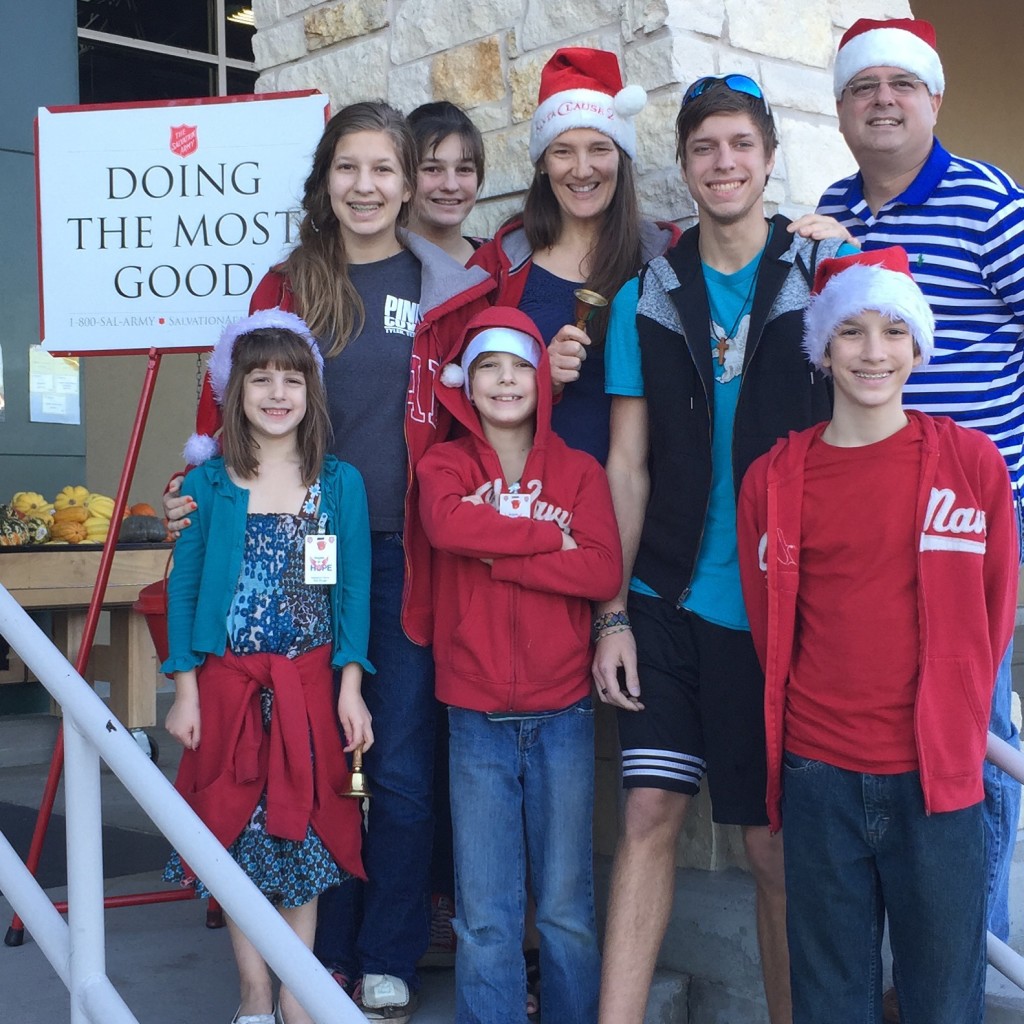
{"x": 13, "y": 531}
{"x": 69, "y": 531}
{"x": 38, "y": 529}
{"x": 31, "y": 503}
{"x": 142, "y": 530}
{"x": 100, "y": 505}
{"x": 96, "y": 529}
{"x": 71, "y": 514}
{"x": 71, "y": 496}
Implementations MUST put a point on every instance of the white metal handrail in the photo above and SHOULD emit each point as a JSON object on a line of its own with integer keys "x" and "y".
{"x": 76, "y": 949}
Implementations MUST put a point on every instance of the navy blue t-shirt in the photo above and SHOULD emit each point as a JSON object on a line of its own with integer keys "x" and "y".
{"x": 580, "y": 417}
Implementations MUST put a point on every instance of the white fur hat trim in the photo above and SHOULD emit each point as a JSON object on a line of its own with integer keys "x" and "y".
{"x": 587, "y": 108}
{"x": 500, "y": 339}
{"x": 888, "y": 48}
{"x": 859, "y": 287}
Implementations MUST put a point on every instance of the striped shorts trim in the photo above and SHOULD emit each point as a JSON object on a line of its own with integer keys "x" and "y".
{"x": 679, "y": 772}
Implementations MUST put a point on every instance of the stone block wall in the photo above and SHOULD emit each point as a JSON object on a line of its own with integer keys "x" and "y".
{"x": 486, "y": 56}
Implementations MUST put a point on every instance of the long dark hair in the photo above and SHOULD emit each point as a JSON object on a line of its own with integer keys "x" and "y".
{"x": 317, "y": 268}
{"x": 615, "y": 257}
{"x": 280, "y": 349}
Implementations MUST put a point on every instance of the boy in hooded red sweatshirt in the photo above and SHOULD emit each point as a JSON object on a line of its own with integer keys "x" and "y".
{"x": 525, "y": 538}
{"x": 878, "y": 554}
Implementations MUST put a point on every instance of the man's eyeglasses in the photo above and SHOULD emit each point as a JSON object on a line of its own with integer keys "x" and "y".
{"x": 867, "y": 88}
{"x": 737, "y": 83}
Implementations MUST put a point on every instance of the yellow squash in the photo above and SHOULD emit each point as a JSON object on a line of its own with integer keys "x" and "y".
{"x": 71, "y": 496}
{"x": 100, "y": 505}
{"x": 31, "y": 503}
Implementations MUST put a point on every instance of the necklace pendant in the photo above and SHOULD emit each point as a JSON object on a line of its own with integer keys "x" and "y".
{"x": 721, "y": 348}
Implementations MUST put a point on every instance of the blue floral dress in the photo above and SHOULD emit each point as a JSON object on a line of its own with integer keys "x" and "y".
{"x": 274, "y": 610}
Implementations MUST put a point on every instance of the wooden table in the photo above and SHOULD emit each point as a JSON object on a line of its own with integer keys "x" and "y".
{"x": 61, "y": 579}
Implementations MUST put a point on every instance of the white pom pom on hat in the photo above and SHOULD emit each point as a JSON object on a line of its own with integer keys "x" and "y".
{"x": 630, "y": 101}
{"x": 582, "y": 88}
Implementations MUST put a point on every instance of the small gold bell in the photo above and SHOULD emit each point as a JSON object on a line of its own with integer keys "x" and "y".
{"x": 357, "y": 786}
{"x": 587, "y": 304}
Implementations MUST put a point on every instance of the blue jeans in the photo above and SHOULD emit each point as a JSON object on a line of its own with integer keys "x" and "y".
{"x": 383, "y": 926}
{"x": 1002, "y": 807}
{"x": 858, "y": 847}
{"x": 524, "y": 788}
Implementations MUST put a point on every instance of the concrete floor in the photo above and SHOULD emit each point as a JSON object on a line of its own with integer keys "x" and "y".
{"x": 168, "y": 967}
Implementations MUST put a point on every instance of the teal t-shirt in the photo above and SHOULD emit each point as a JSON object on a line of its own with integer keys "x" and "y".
{"x": 715, "y": 592}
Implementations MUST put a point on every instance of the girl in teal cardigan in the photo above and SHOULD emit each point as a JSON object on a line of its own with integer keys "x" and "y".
{"x": 269, "y": 594}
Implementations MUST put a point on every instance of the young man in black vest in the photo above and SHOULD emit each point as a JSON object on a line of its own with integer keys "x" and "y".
{"x": 706, "y": 368}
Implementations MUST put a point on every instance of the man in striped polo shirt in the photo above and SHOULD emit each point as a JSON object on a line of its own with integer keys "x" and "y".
{"x": 962, "y": 222}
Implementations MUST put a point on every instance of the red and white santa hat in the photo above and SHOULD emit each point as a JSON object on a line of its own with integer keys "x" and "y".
{"x": 202, "y": 445}
{"x": 907, "y": 43}
{"x": 501, "y": 329}
{"x": 847, "y": 285}
{"x": 582, "y": 88}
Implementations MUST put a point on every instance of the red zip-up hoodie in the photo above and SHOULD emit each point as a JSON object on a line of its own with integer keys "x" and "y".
{"x": 515, "y": 635}
{"x": 967, "y": 563}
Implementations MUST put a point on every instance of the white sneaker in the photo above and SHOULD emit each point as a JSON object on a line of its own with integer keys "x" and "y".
{"x": 253, "y": 1018}
{"x": 385, "y": 997}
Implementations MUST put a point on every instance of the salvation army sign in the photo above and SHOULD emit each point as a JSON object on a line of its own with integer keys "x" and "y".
{"x": 157, "y": 220}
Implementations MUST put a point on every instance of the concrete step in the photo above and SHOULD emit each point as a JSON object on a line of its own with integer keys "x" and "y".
{"x": 1004, "y": 1002}
{"x": 679, "y": 999}
{"x": 710, "y": 971}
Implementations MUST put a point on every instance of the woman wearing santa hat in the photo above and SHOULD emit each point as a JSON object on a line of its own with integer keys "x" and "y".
{"x": 580, "y": 228}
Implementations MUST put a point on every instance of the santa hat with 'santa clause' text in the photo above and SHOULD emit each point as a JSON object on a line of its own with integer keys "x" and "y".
{"x": 582, "y": 88}
{"x": 202, "y": 445}
{"x": 846, "y": 286}
{"x": 905, "y": 43}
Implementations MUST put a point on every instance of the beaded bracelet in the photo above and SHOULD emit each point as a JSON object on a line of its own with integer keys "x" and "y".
{"x": 611, "y": 632}
{"x": 602, "y": 622}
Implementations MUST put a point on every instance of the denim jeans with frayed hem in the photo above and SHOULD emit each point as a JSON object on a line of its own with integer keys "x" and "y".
{"x": 383, "y": 926}
{"x": 523, "y": 790}
{"x": 859, "y": 847}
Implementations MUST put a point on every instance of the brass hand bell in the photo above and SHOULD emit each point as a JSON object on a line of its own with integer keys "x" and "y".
{"x": 587, "y": 304}
{"x": 357, "y": 785}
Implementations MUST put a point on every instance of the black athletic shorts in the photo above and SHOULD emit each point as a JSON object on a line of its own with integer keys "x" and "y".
{"x": 703, "y": 693}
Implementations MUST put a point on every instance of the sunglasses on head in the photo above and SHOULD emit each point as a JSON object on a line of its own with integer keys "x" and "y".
{"x": 737, "y": 83}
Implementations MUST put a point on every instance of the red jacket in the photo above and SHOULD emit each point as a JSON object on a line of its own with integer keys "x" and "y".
{"x": 450, "y": 294}
{"x": 237, "y": 759}
{"x": 966, "y": 596}
{"x": 507, "y": 256}
{"x": 515, "y": 635}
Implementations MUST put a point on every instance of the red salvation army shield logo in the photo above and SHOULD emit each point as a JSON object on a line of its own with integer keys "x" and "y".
{"x": 184, "y": 139}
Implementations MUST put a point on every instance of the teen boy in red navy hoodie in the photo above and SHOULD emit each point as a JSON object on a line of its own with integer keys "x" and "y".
{"x": 525, "y": 538}
{"x": 878, "y": 555}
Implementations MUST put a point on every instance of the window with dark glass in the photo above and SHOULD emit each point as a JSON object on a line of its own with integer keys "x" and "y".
{"x": 134, "y": 50}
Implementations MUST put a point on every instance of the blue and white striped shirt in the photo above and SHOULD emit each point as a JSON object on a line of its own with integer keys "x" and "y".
{"x": 962, "y": 223}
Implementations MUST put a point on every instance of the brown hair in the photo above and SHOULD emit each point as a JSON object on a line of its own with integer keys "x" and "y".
{"x": 718, "y": 98}
{"x": 615, "y": 257}
{"x": 280, "y": 349}
{"x": 317, "y": 268}
{"x": 432, "y": 123}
